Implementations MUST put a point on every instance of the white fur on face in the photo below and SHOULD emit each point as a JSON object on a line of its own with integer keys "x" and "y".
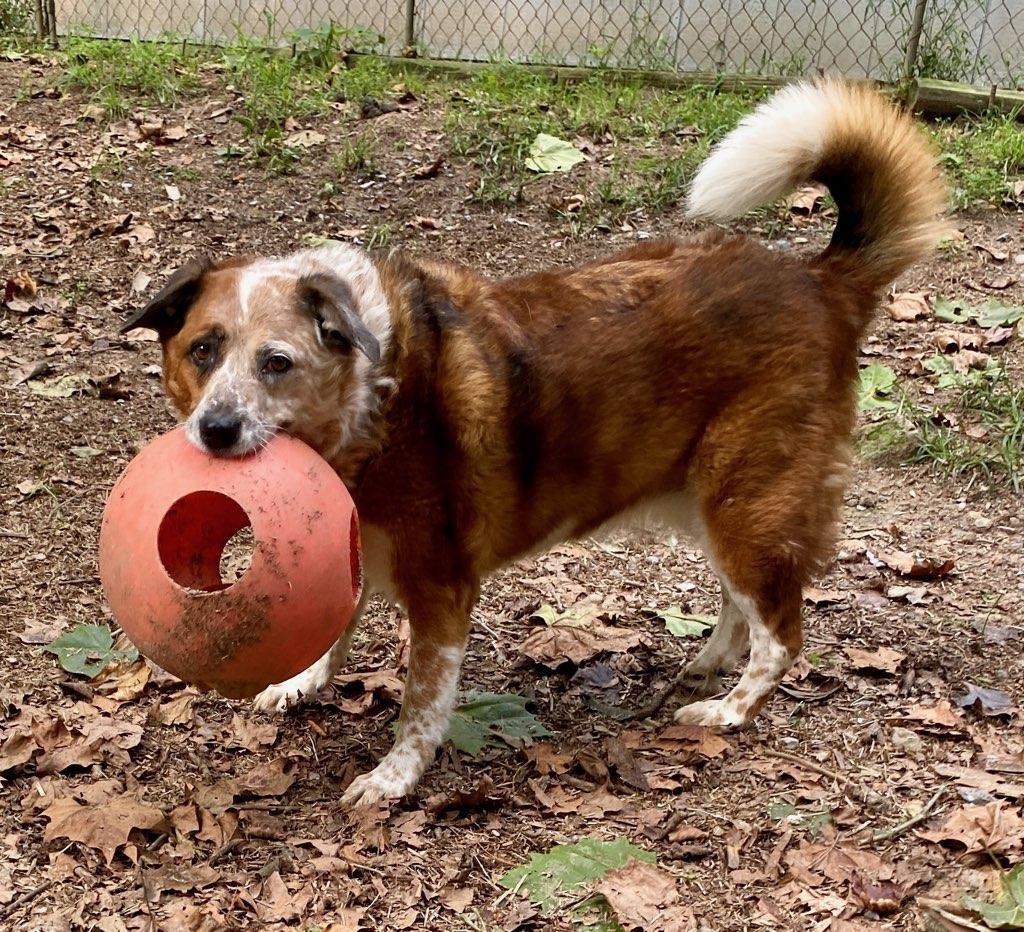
{"x": 325, "y": 398}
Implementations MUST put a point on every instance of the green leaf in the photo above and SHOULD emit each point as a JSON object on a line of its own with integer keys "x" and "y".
{"x": 63, "y": 387}
{"x": 547, "y": 878}
{"x": 87, "y": 649}
{"x": 551, "y": 154}
{"x": 581, "y": 615}
{"x": 683, "y": 625}
{"x": 876, "y": 381}
{"x": 1008, "y": 911}
{"x": 993, "y": 313}
{"x": 492, "y": 720}
{"x": 953, "y": 312}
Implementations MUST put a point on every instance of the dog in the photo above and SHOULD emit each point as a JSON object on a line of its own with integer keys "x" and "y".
{"x": 708, "y": 382}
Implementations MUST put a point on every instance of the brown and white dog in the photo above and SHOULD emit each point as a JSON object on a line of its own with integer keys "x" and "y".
{"x": 708, "y": 383}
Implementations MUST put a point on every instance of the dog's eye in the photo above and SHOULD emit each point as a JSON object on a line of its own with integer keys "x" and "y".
{"x": 201, "y": 353}
{"x": 277, "y": 364}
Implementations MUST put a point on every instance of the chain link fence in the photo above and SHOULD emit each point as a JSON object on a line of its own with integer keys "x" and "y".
{"x": 973, "y": 41}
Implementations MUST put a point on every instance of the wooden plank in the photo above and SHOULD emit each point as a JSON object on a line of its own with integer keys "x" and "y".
{"x": 947, "y": 98}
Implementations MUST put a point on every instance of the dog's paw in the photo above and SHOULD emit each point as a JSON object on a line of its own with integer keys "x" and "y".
{"x": 301, "y": 688}
{"x": 698, "y": 683}
{"x": 384, "y": 782}
{"x": 713, "y": 713}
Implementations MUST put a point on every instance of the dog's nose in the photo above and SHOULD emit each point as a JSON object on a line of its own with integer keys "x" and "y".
{"x": 219, "y": 430}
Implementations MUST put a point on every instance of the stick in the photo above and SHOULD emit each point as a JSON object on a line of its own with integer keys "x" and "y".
{"x": 861, "y": 793}
{"x": 24, "y": 899}
{"x": 897, "y": 830}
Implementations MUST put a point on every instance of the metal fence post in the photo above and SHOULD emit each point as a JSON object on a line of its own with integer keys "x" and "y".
{"x": 913, "y": 40}
{"x": 410, "y": 26}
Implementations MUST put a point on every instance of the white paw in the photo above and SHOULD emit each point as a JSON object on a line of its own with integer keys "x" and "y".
{"x": 283, "y": 696}
{"x": 383, "y": 782}
{"x": 713, "y": 713}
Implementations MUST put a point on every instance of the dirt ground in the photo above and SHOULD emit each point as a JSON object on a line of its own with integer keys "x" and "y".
{"x": 134, "y": 804}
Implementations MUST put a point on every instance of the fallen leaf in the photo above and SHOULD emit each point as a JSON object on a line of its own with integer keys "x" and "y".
{"x": 177, "y": 711}
{"x": 305, "y": 139}
{"x": 940, "y": 714}
{"x": 881, "y": 660}
{"x": 106, "y": 826}
{"x": 140, "y": 282}
{"x": 173, "y": 192}
{"x": 908, "y": 305}
{"x": 684, "y": 624}
{"x": 181, "y": 878}
{"x": 553, "y": 875}
{"x": 992, "y": 828}
{"x": 486, "y": 720}
{"x": 564, "y": 643}
{"x": 17, "y": 748}
{"x": 643, "y": 896}
{"x": 985, "y": 700}
{"x": 883, "y": 897}
{"x": 805, "y": 200}
{"x": 457, "y": 899}
{"x": 551, "y": 154}
{"x": 906, "y": 564}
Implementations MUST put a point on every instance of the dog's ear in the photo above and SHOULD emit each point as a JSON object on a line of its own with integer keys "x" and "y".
{"x": 333, "y": 306}
{"x": 166, "y": 312}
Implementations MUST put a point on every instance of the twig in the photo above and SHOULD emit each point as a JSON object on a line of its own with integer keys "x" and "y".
{"x": 661, "y": 697}
{"x": 859, "y": 792}
{"x": 224, "y": 850}
{"x": 14, "y": 535}
{"x": 897, "y": 830}
{"x": 25, "y": 898}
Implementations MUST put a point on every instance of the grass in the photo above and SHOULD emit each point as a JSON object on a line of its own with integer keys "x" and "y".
{"x": 498, "y": 112}
{"x": 357, "y": 156}
{"x": 120, "y": 75}
{"x": 981, "y": 156}
{"x": 973, "y": 424}
{"x": 490, "y": 118}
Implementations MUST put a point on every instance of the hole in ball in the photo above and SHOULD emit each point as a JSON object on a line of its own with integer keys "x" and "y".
{"x": 205, "y": 541}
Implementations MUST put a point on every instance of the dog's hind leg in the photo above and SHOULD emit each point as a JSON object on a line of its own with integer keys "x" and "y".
{"x": 724, "y": 649}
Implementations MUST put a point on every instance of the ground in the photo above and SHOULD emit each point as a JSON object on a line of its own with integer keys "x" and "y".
{"x": 133, "y": 802}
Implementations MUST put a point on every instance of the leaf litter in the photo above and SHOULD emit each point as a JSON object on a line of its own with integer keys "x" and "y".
{"x": 251, "y": 859}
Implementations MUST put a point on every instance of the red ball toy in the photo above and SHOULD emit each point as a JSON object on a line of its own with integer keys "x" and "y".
{"x": 165, "y": 527}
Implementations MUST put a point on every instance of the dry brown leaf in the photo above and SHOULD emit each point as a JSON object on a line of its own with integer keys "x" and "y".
{"x": 695, "y": 739}
{"x": 18, "y": 748}
{"x": 245, "y": 733}
{"x": 908, "y": 305}
{"x": 278, "y": 904}
{"x": 805, "y": 200}
{"x": 177, "y": 711}
{"x": 181, "y": 878}
{"x": 557, "y": 644}
{"x": 106, "y": 826}
{"x": 966, "y": 360}
{"x": 643, "y": 896}
{"x": 994, "y": 827}
{"x": 305, "y": 139}
{"x": 882, "y": 897}
{"x": 457, "y": 899}
{"x": 133, "y": 683}
{"x": 881, "y": 659}
{"x": 546, "y": 759}
{"x": 906, "y": 564}
{"x": 941, "y": 714}
{"x": 981, "y": 780}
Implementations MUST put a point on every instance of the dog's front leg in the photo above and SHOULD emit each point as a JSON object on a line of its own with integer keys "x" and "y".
{"x": 439, "y": 625}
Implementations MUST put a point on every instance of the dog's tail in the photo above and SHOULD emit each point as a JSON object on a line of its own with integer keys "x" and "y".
{"x": 872, "y": 158}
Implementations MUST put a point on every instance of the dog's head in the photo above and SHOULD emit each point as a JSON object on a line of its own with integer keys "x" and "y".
{"x": 253, "y": 347}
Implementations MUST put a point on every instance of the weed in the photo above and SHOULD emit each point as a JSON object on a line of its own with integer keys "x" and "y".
{"x": 15, "y": 16}
{"x": 186, "y": 173}
{"x": 379, "y": 236}
{"x": 356, "y": 157}
{"x": 990, "y": 409}
{"x": 159, "y": 72}
{"x": 981, "y": 157}
{"x": 107, "y": 166}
